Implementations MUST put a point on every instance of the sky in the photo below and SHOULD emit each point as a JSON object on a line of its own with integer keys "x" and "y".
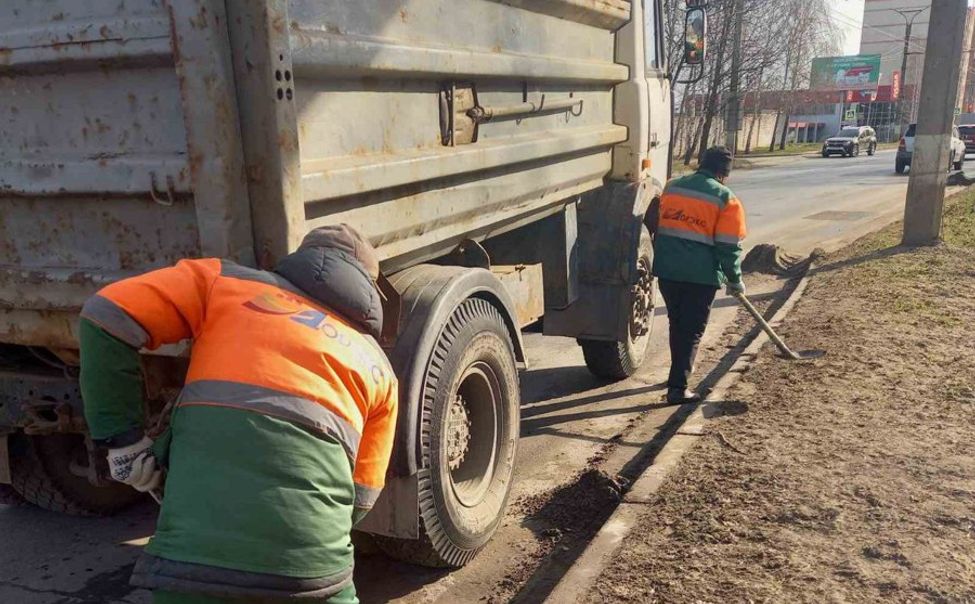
{"x": 848, "y": 15}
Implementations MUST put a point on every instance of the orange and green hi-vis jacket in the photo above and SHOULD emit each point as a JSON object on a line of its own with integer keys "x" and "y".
{"x": 284, "y": 426}
{"x": 700, "y": 229}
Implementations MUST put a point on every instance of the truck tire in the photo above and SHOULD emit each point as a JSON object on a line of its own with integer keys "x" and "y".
{"x": 41, "y": 472}
{"x": 871, "y": 150}
{"x": 900, "y": 167}
{"x": 469, "y": 435}
{"x": 620, "y": 360}
{"x": 960, "y": 165}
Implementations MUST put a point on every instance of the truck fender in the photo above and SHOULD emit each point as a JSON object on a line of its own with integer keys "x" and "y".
{"x": 428, "y": 296}
{"x": 611, "y": 219}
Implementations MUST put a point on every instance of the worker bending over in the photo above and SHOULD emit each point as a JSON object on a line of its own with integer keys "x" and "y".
{"x": 697, "y": 247}
{"x": 281, "y": 436}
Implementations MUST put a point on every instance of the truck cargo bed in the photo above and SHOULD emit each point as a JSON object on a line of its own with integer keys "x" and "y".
{"x": 134, "y": 134}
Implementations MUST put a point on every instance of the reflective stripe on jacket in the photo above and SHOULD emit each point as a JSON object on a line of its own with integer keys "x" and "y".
{"x": 702, "y": 214}
{"x": 261, "y": 345}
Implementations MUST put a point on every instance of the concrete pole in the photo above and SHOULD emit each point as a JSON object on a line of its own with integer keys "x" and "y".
{"x": 936, "y": 116}
{"x": 732, "y": 121}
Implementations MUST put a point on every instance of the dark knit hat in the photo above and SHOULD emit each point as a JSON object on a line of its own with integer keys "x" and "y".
{"x": 347, "y": 239}
{"x": 717, "y": 160}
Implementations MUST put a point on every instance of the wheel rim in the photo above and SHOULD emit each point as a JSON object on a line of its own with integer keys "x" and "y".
{"x": 472, "y": 434}
{"x": 641, "y": 314}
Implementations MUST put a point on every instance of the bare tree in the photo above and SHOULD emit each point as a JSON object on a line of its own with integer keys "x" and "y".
{"x": 779, "y": 37}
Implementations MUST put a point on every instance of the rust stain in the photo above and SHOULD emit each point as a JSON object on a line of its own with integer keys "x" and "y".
{"x": 286, "y": 142}
{"x": 278, "y": 24}
{"x": 255, "y": 173}
{"x": 200, "y": 21}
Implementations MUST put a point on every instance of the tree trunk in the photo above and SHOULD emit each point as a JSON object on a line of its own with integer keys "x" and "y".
{"x": 775, "y": 129}
{"x": 710, "y": 110}
{"x": 691, "y": 140}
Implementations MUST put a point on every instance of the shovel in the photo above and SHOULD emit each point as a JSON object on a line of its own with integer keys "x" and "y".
{"x": 786, "y": 351}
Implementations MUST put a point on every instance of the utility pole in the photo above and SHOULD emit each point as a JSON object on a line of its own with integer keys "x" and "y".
{"x": 909, "y": 14}
{"x": 733, "y": 118}
{"x": 936, "y": 117}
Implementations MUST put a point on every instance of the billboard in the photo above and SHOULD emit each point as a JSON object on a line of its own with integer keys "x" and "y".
{"x": 854, "y": 72}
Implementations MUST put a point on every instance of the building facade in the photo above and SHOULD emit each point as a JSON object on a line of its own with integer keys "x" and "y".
{"x": 884, "y": 31}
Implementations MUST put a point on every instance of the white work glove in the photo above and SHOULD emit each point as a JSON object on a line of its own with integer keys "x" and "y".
{"x": 733, "y": 289}
{"x": 135, "y": 465}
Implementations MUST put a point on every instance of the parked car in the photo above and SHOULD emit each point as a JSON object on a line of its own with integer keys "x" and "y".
{"x": 850, "y": 140}
{"x": 967, "y": 135}
{"x": 905, "y": 150}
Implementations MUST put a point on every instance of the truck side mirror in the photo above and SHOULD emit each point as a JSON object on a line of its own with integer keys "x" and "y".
{"x": 695, "y": 36}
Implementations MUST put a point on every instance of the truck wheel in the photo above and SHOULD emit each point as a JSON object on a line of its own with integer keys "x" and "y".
{"x": 899, "y": 167}
{"x": 469, "y": 423}
{"x": 959, "y": 165}
{"x": 871, "y": 150}
{"x": 48, "y": 471}
{"x": 619, "y": 360}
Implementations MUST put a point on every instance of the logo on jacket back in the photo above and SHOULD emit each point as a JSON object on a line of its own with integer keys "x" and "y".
{"x": 280, "y": 304}
{"x": 679, "y": 215}
{"x": 273, "y": 305}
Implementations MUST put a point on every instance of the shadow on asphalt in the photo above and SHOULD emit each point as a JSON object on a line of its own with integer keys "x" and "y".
{"x": 379, "y": 578}
{"x": 556, "y": 382}
{"x": 58, "y": 558}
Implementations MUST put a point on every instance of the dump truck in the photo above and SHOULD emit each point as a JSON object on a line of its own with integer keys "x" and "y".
{"x": 501, "y": 155}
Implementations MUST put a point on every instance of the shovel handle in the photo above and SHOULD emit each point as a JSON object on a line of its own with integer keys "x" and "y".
{"x": 766, "y": 327}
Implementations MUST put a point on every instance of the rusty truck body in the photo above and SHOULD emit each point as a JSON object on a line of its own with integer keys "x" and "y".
{"x": 500, "y": 154}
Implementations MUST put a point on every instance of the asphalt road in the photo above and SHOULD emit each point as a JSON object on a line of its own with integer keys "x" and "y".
{"x": 820, "y": 202}
{"x": 567, "y": 415}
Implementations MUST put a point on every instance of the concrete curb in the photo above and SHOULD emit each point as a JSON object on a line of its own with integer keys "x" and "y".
{"x": 598, "y": 555}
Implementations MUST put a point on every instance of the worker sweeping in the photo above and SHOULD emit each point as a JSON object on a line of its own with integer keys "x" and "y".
{"x": 280, "y": 439}
{"x": 697, "y": 248}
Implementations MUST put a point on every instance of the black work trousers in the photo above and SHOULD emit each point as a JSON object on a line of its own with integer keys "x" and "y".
{"x": 688, "y": 308}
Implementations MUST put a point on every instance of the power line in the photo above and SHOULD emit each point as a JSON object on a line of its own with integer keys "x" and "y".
{"x": 850, "y": 21}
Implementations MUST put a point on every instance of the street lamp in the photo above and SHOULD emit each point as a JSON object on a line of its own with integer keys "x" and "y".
{"x": 909, "y": 14}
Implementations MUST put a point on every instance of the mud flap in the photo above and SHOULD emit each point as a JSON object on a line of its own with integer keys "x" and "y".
{"x": 395, "y": 513}
{"x": 610, "y": 222}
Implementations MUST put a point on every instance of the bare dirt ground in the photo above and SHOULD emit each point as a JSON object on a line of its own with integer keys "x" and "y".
{"x": 847, "y": 479}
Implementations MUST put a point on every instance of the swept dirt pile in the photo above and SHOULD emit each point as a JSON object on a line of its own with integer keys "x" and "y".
{"x": 856, "y": 477}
